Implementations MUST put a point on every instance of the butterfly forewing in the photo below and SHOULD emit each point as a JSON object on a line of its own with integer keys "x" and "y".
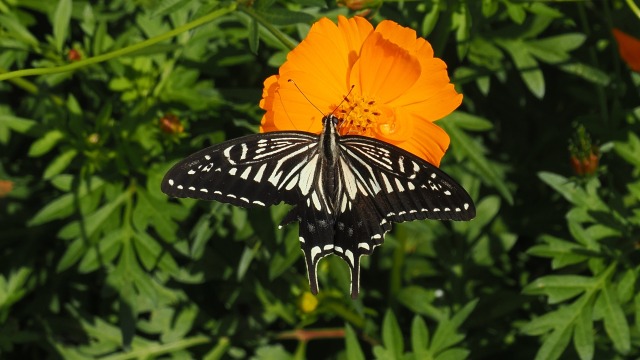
{"x": 254, "y": 170}
{"x": 404, "y": 186}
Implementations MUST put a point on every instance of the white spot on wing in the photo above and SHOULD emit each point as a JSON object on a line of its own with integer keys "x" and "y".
{"x": 301, "y": 239}
{"x": 245, "y": 173}
{"x": 260, "y": 172}
{"x": 316, "y": 200}
{"x": 191, "y": 172}
{"x": 364, "y": 245}
{"x": 387, "y": 184}
{"x": 314, "y": 252}
{"x": 349, "y": 256}
{"x": 328, "y": 247}
{"x": 399, "y": 185}
{"x": 171, "y": 182}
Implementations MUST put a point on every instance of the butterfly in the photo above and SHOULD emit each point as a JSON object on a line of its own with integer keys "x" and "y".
{"x": 346, "y": 191}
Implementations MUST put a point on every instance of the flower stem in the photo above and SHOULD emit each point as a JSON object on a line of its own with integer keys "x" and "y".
{"x": 268, "y": 26}
{"x": 634, "y": 7}
{"x": 395, "y": 281}
{"x": 121, "y": 52}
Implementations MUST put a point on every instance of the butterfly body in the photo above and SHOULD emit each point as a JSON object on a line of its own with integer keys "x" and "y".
{"x": 346, "y": 190}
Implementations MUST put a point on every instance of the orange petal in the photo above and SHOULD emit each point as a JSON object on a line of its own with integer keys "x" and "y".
{"x": 433, "y": 79}
{"x": 384, "y": 71}
{"x": 438, "y": 105}
{"x": 629, "y": 48}
{"x": 429, "y": 142}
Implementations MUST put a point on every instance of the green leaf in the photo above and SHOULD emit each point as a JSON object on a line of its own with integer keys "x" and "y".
{"x": 61, "y": 19}
{"x": 156, "y": 213}
{"x": 18, "y": 124}
{"x": 60, "y": 163}
{"x": 555, "y": 49}
{"x": 419, "y": 300}
{"x": 583, "y": 334}
{"x": 392, "y": 336}
{"x": 467, "y": 121}
{"x": 352, "y": 346}
{"x": 629, "y": 150}
{"x": 254, "y": 36}
{"x": 471, "y": 149}
{"x": 446, "y": 334}
{"x": 431, "y": 19}
{"x": 45, "y": 143}
{"x": 615, "y": 322}
{"x": 283, "y": 17}
{"x": 453, "y": 354}
{"x": 626, "y": 286}
{"x": 103, "y": 252}
{"x": 165, "y": 7}
{"x": 560, "y": 287}
{"x": 64, "y": 205}
{"x": 587, "y": 72}
{"x": 152, "y": 254}
{"x": 18, "y": 30}
{"x": 516, "y": 12}
{"x": 555, "y": 344}
{"x": 72, "y": 255}
{"x": 420, "y": 339}
{"x": 527, "y": 65}
{"x": 92, "y": 222}
{"x": 563, "y": 253}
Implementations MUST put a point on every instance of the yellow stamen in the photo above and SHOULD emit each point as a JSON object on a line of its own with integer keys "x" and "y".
{"x": 360, "y": 115}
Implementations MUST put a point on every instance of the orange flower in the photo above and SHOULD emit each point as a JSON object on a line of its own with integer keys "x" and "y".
{"x": 629, "y": 48}
{"x": 399, "y": 88}
{"x": 6, "y": 187}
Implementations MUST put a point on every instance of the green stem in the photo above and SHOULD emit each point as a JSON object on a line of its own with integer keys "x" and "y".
{"x": 120, "y": 52}
{"x": 634, "y": 8}
{"x": 602, "y": 99}
{"x": 155, "y": 350}
{"x": 268, "y": 26}
{"x": 349, "y": 315}
{"x": 395, "y": 281}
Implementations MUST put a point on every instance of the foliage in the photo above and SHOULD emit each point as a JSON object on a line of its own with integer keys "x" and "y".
{"x": 99, "y": 98}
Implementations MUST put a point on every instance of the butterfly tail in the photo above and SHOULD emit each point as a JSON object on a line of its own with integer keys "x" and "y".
{"x": 316, "y": 238}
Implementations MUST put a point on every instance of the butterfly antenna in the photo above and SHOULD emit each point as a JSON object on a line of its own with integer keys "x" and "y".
{"x": 343, "y": 99}
{"x": 305, "y": 96}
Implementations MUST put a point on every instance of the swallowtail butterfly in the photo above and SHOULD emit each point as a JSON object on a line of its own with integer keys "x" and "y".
{"x": 346, "y": 190}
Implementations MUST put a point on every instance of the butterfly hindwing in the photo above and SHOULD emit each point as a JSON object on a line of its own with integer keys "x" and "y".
{"x": 254, "y": 170}
{"x": 380, "y": 184}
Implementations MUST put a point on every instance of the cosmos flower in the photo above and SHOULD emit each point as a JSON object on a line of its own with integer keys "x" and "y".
{"x": 396, "y": 88}
{"x": 629, "y": 48}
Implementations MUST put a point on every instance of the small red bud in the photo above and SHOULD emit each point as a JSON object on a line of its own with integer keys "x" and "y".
{"x": 170, "y": 124}
{"x": 74, "y": 55}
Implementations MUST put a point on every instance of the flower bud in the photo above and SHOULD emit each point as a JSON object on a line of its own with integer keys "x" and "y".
{"x": 171, "y": 124}
{"x": 584, "y": 155}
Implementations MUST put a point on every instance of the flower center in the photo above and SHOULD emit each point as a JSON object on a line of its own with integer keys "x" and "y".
{"x": 361, "y": 115}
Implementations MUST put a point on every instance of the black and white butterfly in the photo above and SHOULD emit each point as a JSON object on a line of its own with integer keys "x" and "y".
{"x": 346, "y": 190}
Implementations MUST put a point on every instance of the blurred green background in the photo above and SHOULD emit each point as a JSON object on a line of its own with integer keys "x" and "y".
{"x": 95, "y": 262}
